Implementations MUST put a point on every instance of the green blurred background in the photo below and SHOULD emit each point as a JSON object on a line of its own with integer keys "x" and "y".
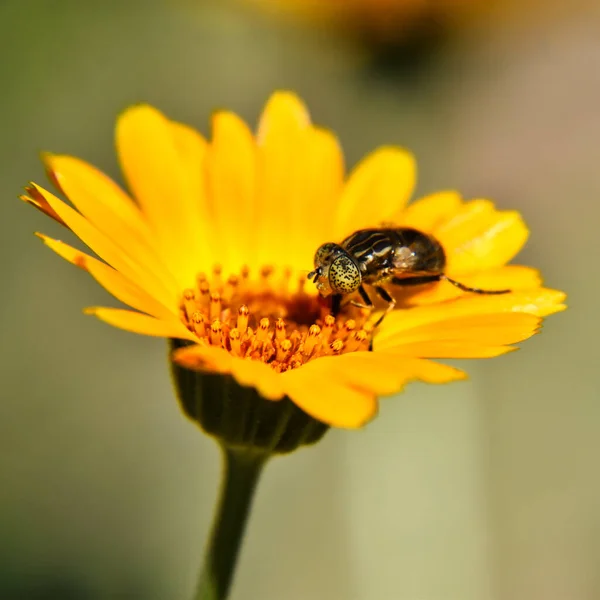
{"x": 486, "y": 490}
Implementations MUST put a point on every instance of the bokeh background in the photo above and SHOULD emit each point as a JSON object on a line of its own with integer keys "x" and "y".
{"x": 486, "y": 490}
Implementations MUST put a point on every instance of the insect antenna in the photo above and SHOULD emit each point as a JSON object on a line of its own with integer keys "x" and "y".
{"x": 466, "y": 288}
{"x": 314, "y": 275}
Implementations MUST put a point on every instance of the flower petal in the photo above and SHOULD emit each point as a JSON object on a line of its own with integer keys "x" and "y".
{"x": 143, "y": 324}
{"x": 111, "y": 280}
{"x": 231, "y": 181}
{"x": 98, "y": 198}
{"x": 377, "y": 189}
{"x": 429, "y": 212}
{"x": 327, "y": 399}
{"x": 107, "y": 208}
{"x": 152, "y": 164}
{"x": 379, "y": 372}
{"x": 147, "y": 276}
{"x": 315, "y": 187}
{"x": 540, "y": 302}
{"x": 281, "y": 128}
{"x": 38, "y": 201}
{"x": 246, "y": 372}
{"x": 191, "y": 150}
{"x": 480, "y": 237}
{"x": 486, "y": 329}
{"x": 449, "y": 349}
{"x": 341, "y": 390}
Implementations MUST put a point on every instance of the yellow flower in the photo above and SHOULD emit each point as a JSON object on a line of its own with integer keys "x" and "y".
{"x": 215, "y": 249}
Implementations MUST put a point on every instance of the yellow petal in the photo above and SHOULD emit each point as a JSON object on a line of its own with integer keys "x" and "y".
{"x": 142, "y": 324}
{"x": 246, "y": 372}
{"x": 107, "y": 208}
{"x": 146, "y": 276}
{"x": 377, "y": 189}
{"x": 429, "y": 212}
{"x": 70, "y": 254}
{"x": 449, "y": 349}
{"x": 479, "y": 237}
{"x": 487, "y": 329}
{"x": 327, "y": 399}
{"x": 282, "y": 125}
{"x": 231, "y": 180}
{"x": 284, "y": 112}
{"x": 191, "y": 150}
{"x": 412, "y": 369}
{"x": 112, "y": 281}
{"x": 315, "y": 187}
{"x": 434, "y": 373}
{"x": 98, "y": 198}
{"x": 540, "y": 302}
{"x": 38, "y": 201}
{"x": 509, "y": 277}
{"x": 160, "y": 180}
{"x": 380, "y": 373}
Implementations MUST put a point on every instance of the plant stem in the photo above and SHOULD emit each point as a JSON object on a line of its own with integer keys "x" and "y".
{"x": 242, "y": 469}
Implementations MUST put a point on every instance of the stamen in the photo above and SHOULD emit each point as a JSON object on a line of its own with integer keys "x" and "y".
{"x": 245, "y": 272}
{"x": 301, "y": 284}
{"x": 216, "y": 333}
{"x": 271, "y": 319}
{"x": 262, "y": 333}
{"x": 328, "y": 324}
{"x": 242, "y": 321}
{"x": 295, "y": 338}
{"x": 204, "y": 294}
{"x": 230, "y": 288}
{"x": 200, "y": 279}
{"x": 337, "y": 346}
{"x": 356, "y": 341}
{"x": 217, "y": 281}
{"x": 189, "y": 303}
{"x": 234, "y": 340}
{"x": 311, "y": 340}
{"x": 215, "y": 306}
{"x": 280, "y": 330}
{"x": 198, "y": 324}
{"x": 349, "y": 326}
{"x": 268, "y": 352}
{"x": 284, "y": 351}
{"x": 266, "y": 272}
{"x": 285, "y": 282}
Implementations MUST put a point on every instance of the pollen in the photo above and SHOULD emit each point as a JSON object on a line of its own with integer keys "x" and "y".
{"x": 270, "y": 317}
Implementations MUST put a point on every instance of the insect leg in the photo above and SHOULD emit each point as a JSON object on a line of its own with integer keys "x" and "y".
{"x": 406, "y": 281}
{"x": 431, "y": 278}
{"x": 466, "y": 288}
{"x": 384, "y": 295}
{"x": 368, "y": 303}
{"x": 336, "y": 304}
{"x": 365, "y": 297}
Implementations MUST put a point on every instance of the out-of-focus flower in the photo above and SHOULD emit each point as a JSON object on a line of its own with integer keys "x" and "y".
{"x": 214, "y": 250}
{"x": 383, "y": 22}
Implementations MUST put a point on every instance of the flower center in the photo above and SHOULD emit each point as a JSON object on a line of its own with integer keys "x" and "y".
{"x": 270, "y": 318}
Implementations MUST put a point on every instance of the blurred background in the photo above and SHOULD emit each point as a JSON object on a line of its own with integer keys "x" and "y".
{"x": 486, "y": 490}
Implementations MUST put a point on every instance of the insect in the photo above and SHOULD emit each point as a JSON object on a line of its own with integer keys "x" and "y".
{"x": 399, "y": 256}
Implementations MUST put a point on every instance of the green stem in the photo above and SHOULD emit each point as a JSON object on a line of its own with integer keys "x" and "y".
{"x": 241, "y": 473}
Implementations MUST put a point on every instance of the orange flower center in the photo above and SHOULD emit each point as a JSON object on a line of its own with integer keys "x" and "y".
{"x": 272, "y": 319}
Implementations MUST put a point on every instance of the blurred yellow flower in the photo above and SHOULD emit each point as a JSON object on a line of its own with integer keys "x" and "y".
{"x": 217, "y": 244}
